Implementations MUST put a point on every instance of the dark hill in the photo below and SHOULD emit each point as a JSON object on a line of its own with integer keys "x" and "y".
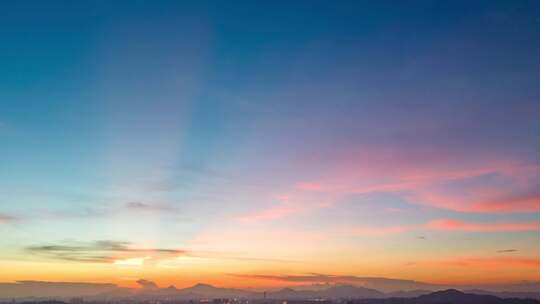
{"x": 450, "y": 296}
{"x": 454, "y": 296}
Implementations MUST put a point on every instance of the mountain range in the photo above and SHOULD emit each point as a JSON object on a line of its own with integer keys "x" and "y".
{"x": 450, "y": 296}
{"x": 34, "y": 290}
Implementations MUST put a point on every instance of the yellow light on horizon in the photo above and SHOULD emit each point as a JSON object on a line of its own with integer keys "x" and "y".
{"x": 133, "y": 262}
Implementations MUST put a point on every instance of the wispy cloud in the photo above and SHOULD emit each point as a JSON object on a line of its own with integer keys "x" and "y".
{"x": 309, "y": 278}
{"x": 318, "y": 278}
{"x": 486, "y": 185}
{"x": 103, "y": 251}
{"x": 507, "y": 250}
{"x": 456, "y": 225}
{"x": 126, "y": 254}
{"x": 511, "y": 204}
{"x": 422, "y": 177}
{"x": 448, "y": 225}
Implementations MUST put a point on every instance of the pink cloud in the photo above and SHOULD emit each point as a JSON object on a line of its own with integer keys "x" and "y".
{"x": 449, "y": 225}
{"x": 426, "y": 178}
{"x": 456, "y": 225}
{"x": 517, "y": 204}
{"x": 481, "y": 201}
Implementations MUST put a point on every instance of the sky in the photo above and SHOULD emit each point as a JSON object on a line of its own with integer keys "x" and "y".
{"x": 246, "y": 143}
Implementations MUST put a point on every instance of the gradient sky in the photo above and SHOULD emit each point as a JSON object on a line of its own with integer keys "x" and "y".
{"x": 239, "y": 142}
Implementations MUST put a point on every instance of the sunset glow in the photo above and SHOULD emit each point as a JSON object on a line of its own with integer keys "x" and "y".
{"x": 266, "y": 144}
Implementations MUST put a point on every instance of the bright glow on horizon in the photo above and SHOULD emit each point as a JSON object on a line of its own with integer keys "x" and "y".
{"x": 134, "y": 262}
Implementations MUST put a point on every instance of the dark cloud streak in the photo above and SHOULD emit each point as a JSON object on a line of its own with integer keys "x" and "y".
{"x": 6, "y": 218}
{"x": 102, "y": 251}
{"x": 507, "y": 250}
{"x": 311, "y": 277}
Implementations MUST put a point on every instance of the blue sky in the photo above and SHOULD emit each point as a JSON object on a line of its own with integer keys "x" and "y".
{"x": 181, "y": 124}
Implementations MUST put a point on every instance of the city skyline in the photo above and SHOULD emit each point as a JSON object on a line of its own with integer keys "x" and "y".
{"x": 268, "y": 144}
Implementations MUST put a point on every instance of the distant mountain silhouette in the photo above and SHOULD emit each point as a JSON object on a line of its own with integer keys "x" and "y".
{"x": 333, "y": 292}
{"x": 450, "y": 296}
{"x": 455, "y": 296}
{"x": 209, "y": 291}
{"x": 27, "y": 290}
{"x": 507, "y": 294}
{"x": 348, "y": 291}
{"x": 408, "y": 293}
